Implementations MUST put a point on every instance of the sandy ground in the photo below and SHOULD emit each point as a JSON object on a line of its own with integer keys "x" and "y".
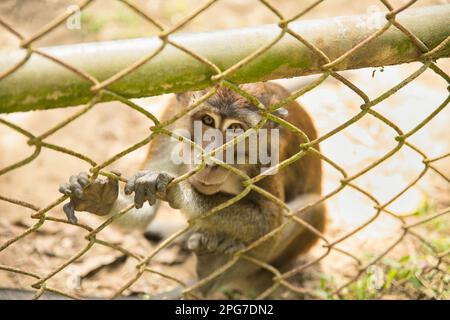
{"x": 111, "y": 127}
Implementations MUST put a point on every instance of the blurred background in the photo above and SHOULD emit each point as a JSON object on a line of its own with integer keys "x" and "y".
{"x": 111, "y": 127}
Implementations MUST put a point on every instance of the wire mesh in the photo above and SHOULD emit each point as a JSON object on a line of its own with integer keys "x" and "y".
{"x": 38, "y": 143}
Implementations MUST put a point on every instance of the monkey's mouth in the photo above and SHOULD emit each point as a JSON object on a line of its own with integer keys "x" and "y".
{"x": 207, "y": 188}
{"x": 210, "y": 180}
{"x": 207, "y": 184}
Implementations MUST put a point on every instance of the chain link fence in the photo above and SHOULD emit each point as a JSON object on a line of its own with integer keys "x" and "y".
{"x": 220, "y": 77}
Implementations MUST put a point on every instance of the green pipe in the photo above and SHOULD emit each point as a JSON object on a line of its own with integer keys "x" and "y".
{"x": 43, "y": 84}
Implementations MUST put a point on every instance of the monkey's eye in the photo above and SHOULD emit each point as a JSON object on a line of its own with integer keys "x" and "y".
{"x": 236, "y": 127}
{"x": 208, "y": 121}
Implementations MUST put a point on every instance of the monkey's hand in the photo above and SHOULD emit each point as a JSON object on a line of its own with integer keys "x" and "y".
{"x": 97, "y": 197}
{"x": 150, "y": 186}
{"x": 203, "y": 242}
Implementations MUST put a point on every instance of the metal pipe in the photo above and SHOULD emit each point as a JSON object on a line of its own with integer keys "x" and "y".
{"x": 42, "y": 84}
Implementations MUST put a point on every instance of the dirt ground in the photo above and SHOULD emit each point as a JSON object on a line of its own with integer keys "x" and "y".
{"x": 111, "y": 127}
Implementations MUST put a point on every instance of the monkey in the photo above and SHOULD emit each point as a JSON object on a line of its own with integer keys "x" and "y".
{"x": 214, "y": 239}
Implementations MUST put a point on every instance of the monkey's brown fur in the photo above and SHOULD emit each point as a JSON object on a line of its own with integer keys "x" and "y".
{"x": 217, "y": 237}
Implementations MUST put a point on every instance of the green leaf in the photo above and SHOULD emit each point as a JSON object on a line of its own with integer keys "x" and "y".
{"x": 390, "y": 277}
{"x": 404, "y": 259}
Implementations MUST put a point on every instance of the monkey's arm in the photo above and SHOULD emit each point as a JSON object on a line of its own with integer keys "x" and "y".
{"x": 103, "y": 198}
{"x": 243, "y": 221}
{"x": 135, "y": 218}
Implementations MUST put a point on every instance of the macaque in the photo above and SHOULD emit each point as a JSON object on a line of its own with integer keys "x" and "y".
{"x": 216, "y": 238}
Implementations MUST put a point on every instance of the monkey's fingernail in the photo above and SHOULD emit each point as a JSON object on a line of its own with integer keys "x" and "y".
{"x": 83, "y": 181}
{"x": 64, "y": 189}
{"x": 138, "y": 203}
{"x": 282, "y": 112}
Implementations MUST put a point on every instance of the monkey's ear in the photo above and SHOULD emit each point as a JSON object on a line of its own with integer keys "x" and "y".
{"x": 184, "y": 98}
{"x": 271, "y": 98}
{"x": 280, "y": 113}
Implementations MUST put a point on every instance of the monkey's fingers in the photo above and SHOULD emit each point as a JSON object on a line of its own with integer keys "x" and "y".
{"x": 130, "y": 186}
{"x": 200, "y": 243}
{"x": 162, "y": 182}
{"x": 194, "y": 242}
{"x": 83, "y": 179}
{"x": 139, "y": 194}
{"x": 139, "y": 198}
{"x": 75, "y": 186}
{"x": 145, "y": 189}
{"x": 230, "y": 246}
{"x": 150, "y": 194}
{"x": 69, "y": 210}
{"x": 65, "y": 189}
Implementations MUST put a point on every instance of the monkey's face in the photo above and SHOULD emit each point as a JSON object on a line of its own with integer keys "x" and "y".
{"x": 214, "y": 124}
{"x": 211, "y": 129}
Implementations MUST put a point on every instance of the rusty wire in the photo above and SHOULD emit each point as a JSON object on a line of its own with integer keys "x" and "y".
{"x": 219, "y": 78}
